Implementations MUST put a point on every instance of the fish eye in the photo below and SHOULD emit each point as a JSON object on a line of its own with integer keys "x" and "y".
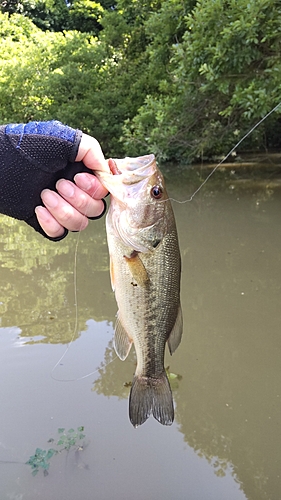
{"x": 156, "y": 192}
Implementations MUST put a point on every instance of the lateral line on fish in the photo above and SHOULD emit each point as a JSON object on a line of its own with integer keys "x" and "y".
{"x": 225, "y": 158}
{"x": 171, "y": 199}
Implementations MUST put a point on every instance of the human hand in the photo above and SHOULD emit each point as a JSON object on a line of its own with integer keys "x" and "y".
{"x": 74, "y": 203}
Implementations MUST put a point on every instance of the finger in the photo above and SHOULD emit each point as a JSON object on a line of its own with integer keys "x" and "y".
{"x": 64, "y": 213}
{"x": 91, "y": 154}
{"x": 91, "y": 185}
{"x": 80, "y": 200}
{"x": 48, "y": 223}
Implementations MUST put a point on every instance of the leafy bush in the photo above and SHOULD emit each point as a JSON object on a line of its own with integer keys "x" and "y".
{"x": 179, "y": 78}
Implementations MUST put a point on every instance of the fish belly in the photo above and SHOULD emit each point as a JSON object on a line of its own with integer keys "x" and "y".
{"x": 146, "y": 287}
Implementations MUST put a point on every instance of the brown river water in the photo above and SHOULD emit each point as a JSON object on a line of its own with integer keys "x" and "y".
{"x": 225, "y": 443}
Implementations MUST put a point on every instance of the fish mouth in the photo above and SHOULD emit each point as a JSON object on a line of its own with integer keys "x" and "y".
{"x": 132, "y": 173}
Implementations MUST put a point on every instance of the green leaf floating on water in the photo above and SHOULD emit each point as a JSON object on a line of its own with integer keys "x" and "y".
{"x": 174, "y": 378}
{"x": 70, "y": 440}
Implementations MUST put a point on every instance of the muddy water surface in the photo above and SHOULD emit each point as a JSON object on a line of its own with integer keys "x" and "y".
{"x": 226, "y": 439}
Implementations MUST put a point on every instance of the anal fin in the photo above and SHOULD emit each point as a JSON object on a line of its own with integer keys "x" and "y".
{"x": 122, "y": 341}
{"x": 176, "y": 333}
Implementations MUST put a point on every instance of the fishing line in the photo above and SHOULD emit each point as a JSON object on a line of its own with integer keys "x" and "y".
{"x": 171, "y": 199}
{"x": 75, "y": 328}
{"x": 76, "y": 311}
{"x": 227, "y": 156}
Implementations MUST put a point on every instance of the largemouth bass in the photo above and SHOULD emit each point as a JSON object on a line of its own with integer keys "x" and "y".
{"x": 145, "y": 268}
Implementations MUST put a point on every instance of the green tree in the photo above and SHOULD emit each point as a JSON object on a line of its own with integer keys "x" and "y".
{"x": 58, "y": 15}
{"x": 85, "y": 16}
{"x": 10, "y": 6}
{"x": 46, "y": 14}
{"x": 49, "y": 74}
{"x": 180, "y": 78}
{"x": 224, "y": 76}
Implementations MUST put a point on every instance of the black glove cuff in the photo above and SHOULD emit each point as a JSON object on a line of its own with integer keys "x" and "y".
{"x": 58, "y": 238}
{"x": 33, "y": 222}
{"x": 102, "y": 214}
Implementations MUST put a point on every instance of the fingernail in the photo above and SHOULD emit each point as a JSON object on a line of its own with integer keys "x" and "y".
{"x": 83, "y": 181}
{"x": 65, "y": 188}
{"x": 102, "y": 212}
{"x": 42, "y": 213}
{"x": 49, "y": 198}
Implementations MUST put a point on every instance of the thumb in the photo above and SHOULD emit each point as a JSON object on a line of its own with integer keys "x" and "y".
{"x": 90, "y": 153}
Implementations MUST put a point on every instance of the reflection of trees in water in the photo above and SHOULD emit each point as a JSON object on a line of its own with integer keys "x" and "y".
{"x": 200, "y": 429}
{"x": 234, "y": 437}
{"x": 229, "y": 448}
{"x": 209, "y": 426}
{"x": 115, "y": 375}
{"x": 230, "y": 445}
{"x": 37, "y": 281}
{"x": 227, "y": 405}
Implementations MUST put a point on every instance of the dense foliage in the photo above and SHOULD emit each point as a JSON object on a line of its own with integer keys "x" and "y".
{"x": 184, "y": 79}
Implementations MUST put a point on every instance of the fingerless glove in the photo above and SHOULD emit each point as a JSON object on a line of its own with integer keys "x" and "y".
{"x": 34, "y": 157}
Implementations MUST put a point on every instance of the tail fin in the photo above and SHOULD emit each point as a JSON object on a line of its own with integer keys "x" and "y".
{"x": 151, "y": 395}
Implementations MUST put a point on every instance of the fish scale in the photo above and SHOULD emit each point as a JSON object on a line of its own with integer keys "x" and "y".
{"x": 145, "y": 269}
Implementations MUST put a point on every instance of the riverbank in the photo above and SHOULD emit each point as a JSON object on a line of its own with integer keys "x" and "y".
{"x": 246, "y": 171}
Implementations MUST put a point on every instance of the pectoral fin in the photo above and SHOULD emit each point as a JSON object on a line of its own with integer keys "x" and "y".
{"x": 176, "y": 333}
{"x": 137, "y": 269}
{"x": 122, "y": 341}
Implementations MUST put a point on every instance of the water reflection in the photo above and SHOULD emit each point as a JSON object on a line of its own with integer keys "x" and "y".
{"x": 228, "y": 401}
{"x": 39, "y": 282}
